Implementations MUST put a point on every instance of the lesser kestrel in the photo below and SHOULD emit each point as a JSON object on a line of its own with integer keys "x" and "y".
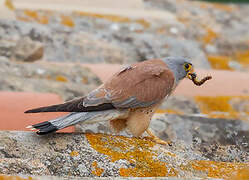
{"x": 127, "y": 100}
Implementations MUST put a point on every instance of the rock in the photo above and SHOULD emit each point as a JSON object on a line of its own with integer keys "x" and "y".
{"x": 7, "y": 10}
{"x": 90, "y": 49}
{"x": 198, "y": 144}
{"x": 101, "y": 38}
{"x": 69, "y": 81}
{"x": 7, "y": 47}
{"x": 27, "y": 50}
{"x": 181, "y": 105}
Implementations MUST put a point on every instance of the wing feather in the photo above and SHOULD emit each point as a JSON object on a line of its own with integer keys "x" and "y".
{"x": 140, "y": 85}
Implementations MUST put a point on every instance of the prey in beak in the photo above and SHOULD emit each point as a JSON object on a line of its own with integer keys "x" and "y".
{"x": 193, "y": 77}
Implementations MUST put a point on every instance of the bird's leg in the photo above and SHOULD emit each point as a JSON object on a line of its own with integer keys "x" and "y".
{"x": 157, "y": 139}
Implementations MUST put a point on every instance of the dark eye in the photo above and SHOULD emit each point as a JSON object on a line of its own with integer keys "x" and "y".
{"x": 186, "y": 66}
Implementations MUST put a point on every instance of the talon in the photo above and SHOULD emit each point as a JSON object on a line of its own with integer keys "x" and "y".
{"x": 157, "y": 139}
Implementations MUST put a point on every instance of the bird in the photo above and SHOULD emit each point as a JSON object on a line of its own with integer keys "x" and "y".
{"x": 127, "y": 100}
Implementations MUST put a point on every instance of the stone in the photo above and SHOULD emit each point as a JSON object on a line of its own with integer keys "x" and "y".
{"x": 7, "y": 47}
{"x": 69, "y": 81}
{"x": 28, "y": 50}
{"x": 198, "y": 144}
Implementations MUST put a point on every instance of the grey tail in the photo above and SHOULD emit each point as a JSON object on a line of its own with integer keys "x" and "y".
{"x": 44, "y": 128}
{"x": 75, "y": 118}
{"x": 47, "y": 127}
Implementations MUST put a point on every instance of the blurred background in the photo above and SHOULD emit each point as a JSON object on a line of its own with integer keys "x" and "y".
{"x": 52, "y": 51}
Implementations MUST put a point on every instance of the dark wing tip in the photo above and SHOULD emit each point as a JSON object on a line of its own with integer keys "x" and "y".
{"x": 29, "y": 111}
{"x": 44, "y": 128}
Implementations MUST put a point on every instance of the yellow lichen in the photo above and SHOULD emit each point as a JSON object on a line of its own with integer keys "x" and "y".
{"x": 85, "y": 80}
{"x": 97, "y": 171}
{"x": 242, "y": 57}
{"x": 23, "y": 19}
{"x": 143, "y": 22}
{"x": 9, "y": 4}
{"x": 216, "y": 169}
{"x": 67, "y": 21}
{"x": 35, "y": 16}
{"x": 74, "y": 153}
{"x": 219, "y": 6}
{"x": 61, "y": 78}
{"x": 219, "y": 107}
{"x": 114, "y": 18}
{"x": 223, "y": 7}
{"x": 5, "y": 177}
{"x": 43, "y": 20}
{"x": 219, "y": 62}
{"x": 136, "y": 151}
{"x": 241, "y": 174}
{"x": 210, "y": 36}
{"x": 168, "y": 111}
{"x": 30, "y": 13}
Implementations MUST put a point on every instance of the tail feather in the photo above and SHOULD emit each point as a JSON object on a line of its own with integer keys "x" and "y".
{"x": 44, "y": 128}
{"x": 78, "y": 117}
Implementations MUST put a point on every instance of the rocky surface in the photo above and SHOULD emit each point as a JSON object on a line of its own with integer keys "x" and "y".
{"x": 69, "y": 81}
{"x": 209, "y": 135}
{"x": 197, "y": 144}
{"x": 199, "y": 30}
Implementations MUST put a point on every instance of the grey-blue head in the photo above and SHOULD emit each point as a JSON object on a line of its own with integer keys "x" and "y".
{"x": 179, "y": 66}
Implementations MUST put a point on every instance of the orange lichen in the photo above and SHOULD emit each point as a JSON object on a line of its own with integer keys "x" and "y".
{"x": 74, "y": 153}
{"x": 223, "y": 7}
{"x": 61, "y": 78}
{"x": 143, "y": 22}
{"x": 161, "y": 30}
{"x": 113, "y": 18}
{"x": 242, "y": 57}
{"x": 35, "y": 16}
{"x": 97, "y": 171}
{"x": 5, "y": 177}
{"x": 67, "y": 21}
{"x": 168, "y": 111}
{"x": 23, "y": 19}
{"x": 216, "y": 169}
{"x": 209, "y": 37}
{"x": 30, "y": 13}
{"x": 85, "y": 80}
{"x": 43, "y": 20}
{"x": 219, "y": 107}
{"x": 241, "y": 174}
{"x": 184, "y": 20}
{"x": 134, "y": 150}
{"x": 219, "y": 62}
{"x": 9, "y": 4}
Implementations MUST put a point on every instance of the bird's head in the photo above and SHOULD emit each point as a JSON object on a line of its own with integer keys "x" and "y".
{"x": 180, "y": 66}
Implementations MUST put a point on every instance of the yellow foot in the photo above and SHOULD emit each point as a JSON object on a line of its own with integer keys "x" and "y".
{"x": 157, "y": 139}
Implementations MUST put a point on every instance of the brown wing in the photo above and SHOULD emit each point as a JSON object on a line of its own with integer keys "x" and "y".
{"x": 140, "y": 85}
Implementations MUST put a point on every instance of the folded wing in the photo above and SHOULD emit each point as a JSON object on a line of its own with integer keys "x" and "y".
{"x": 140, "y": 85}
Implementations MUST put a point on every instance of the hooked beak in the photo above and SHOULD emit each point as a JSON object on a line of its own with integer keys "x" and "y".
{"x": 189, "y": 74}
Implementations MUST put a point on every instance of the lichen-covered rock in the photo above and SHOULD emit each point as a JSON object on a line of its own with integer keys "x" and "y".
{"x": 215, "y": 148}
{"x": 198, "y": 30}
{"x": 67, "y": 80}
{"x": 27, "y": 50}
